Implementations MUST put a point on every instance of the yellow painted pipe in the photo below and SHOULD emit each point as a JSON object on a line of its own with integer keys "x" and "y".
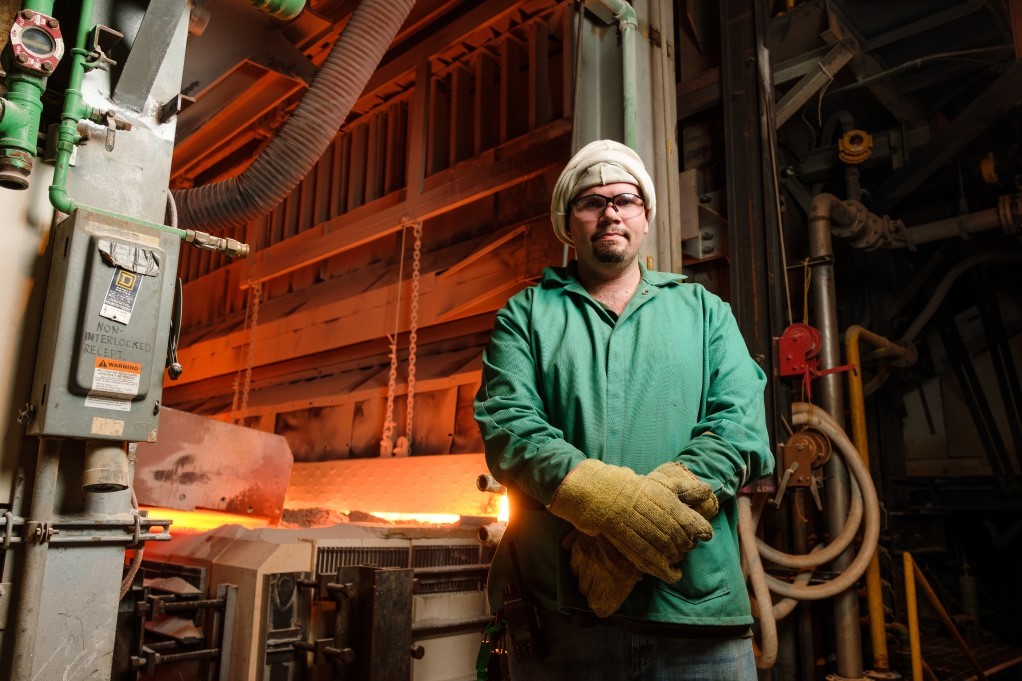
{"x": 949, "y": 623}
{"x": 913, "y": 617}
{"x": 857, "y": 405}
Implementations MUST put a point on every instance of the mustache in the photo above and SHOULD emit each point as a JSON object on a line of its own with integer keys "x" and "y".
{"x": 608, "y": 232}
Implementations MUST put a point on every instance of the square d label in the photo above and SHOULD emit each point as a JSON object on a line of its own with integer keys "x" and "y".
{"x": 121, "y": 295}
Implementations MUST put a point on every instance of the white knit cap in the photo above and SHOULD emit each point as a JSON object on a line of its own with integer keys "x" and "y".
{"x": 598, "y": 163}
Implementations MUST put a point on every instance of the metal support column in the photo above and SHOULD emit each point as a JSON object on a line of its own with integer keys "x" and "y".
{"x": 757, "y": 290}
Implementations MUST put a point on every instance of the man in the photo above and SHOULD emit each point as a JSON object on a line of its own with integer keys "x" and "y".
{"x": 620, "y": 407}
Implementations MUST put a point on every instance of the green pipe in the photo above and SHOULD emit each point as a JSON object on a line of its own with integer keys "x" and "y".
{"x": 20, "y": 112}
{"x": 281, "y": 9}
{"x": 41, "y": 6}
{"x": 629, "y": 26}
{"x": 74, "y": 111}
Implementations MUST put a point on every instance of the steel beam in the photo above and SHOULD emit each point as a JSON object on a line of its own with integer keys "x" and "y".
{"x": 811, "y": 83}
{"x": 991, "y": 105}
{"x": 148, "y": 50}
{"x": 754, "y": 249}
{"x": 484, "y": 175}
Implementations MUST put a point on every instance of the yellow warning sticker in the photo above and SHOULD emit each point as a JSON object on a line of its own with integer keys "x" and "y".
{"x": 115, "y": 378}
{"x": 118, "y": 365}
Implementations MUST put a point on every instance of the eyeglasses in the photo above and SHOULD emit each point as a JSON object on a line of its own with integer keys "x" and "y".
{"x": 591, "y": 206}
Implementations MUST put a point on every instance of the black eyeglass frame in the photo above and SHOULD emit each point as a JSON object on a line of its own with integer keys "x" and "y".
{"x": 607, "y": 201}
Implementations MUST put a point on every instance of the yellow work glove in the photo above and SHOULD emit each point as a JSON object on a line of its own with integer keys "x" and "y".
{"x": 605, "y": 576}
{"x": 642, "y": 516}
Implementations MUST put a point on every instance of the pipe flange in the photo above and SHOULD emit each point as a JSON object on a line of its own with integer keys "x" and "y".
{"x": 1009, "y": 210}
{"x": 855, "y": 147}
{"x": 855, "y": 228}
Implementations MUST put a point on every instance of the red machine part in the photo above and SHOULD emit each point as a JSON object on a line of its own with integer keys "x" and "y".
{"x": 798, "y": 348}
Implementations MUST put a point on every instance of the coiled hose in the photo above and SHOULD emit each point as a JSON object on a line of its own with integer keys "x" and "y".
{"x": 864, "y": 506}
{"x": 305, "y": 137}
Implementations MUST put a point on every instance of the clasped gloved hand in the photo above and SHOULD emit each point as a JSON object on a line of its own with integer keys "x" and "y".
{"x": 643, "y": 517}
{"x": 605, "y": 576}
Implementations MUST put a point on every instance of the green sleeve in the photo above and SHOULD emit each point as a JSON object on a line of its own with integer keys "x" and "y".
{"x": 730, "y": 446}
{"x": 522, "y": 447}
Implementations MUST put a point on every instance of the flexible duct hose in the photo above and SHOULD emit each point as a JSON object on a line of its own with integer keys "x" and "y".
{"x": 864, "y": 495}
{"x": 807, "y": 414}
{"x": 305, "y": 137}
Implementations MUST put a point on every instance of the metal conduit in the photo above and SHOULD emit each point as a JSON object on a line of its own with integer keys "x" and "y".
{"x": 305, "y": 137}
{"x": 30, "y": 591}
{"x": 825, "y": 209}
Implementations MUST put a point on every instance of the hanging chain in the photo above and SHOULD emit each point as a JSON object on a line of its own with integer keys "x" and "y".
{"x": 413, "y": 331}
{"x": 255, "y": 293}
{"x": 387, "y": 438}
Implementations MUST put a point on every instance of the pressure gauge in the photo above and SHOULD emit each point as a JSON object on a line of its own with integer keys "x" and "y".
{"x": 36, "y": 42}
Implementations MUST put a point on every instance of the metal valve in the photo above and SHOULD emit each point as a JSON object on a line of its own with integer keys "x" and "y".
{"x": 804, "y": 451}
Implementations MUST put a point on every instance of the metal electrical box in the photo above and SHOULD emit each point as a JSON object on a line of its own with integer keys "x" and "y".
{"x": 107, "y": 317}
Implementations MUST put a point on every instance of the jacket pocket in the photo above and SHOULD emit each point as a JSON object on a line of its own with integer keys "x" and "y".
{"x": 705, "y": 571}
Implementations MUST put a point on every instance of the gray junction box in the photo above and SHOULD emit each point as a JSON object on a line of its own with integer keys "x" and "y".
{"x": 106, "y": 323}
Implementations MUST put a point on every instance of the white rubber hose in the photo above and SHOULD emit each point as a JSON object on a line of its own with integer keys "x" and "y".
{"x": 811, "y": 415}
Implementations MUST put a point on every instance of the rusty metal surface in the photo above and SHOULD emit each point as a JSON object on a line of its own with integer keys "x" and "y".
{"x": 432, "y": 484}
{"x": 201, "y": 463}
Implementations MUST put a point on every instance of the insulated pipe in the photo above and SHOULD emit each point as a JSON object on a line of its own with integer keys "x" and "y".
{"x": 945, "y": 285}
{"x": 860, "y": 437}
{"x": 491, "y": 534}
{"x": 757, "y": 577}
{"x": 30, "y": 591}
{"x": 305, "y": 137}
{"x": 281, "y": 9}
{"x": 624, "y": 14}
{"x": 823, "y": 555}
{"x": 824, "y": 211}
{"x": 106, "y": 467}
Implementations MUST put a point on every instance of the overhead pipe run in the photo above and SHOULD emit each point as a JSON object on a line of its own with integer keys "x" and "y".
{"x": 852, "y": 222}
{"x": 304, "y": 138}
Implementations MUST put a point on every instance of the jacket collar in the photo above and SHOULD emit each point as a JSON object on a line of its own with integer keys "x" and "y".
{"x": 567, "y": 277}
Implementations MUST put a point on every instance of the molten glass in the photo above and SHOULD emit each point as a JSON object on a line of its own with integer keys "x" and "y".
{"x": 424, "y": 518}
{"x": 202, "y": 521}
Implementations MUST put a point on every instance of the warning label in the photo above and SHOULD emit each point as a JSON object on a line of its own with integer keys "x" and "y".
{"x": 116, "y": 378}
{"x": 103, "y": 402}
{"x": 121, "y": 295}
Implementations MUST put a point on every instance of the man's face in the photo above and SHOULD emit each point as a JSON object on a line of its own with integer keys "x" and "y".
{"x": 606, "y": 238}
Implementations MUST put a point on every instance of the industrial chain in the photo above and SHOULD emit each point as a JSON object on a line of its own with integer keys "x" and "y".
{"x": 413, "y": 335}
{"x": 387, "y": 438}
{"x": 255, "y": 298}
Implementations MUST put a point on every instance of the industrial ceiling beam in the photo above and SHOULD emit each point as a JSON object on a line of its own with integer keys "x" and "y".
{"x": 812, "y": 82}
{"x": 482, "y": 176}
{"x": 335, "y": 314}
{"x": 1002, "y": 95}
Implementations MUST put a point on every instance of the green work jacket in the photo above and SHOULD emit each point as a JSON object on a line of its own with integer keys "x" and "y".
{"x": 671, "y": 379}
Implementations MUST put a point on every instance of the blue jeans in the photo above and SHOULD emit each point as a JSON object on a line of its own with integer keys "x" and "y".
{"x": 609, "y": 653}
